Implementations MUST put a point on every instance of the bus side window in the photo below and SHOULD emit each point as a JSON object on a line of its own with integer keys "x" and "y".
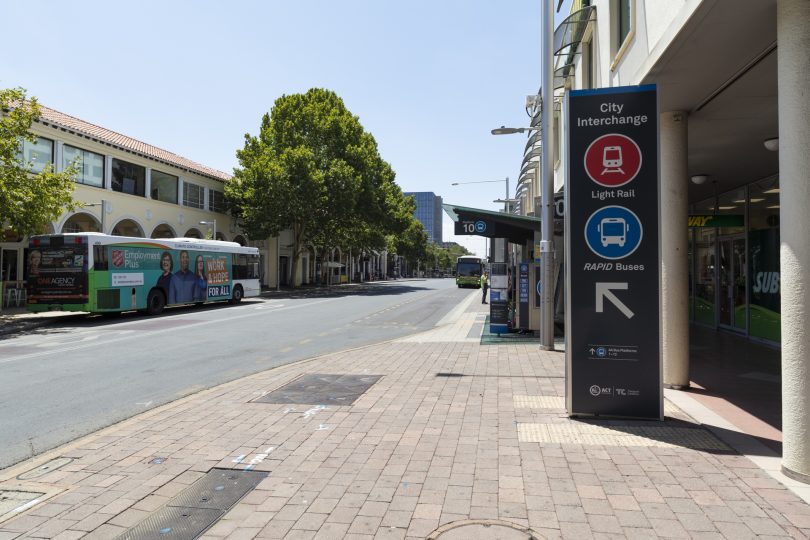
{"x": 238, "y": 264}
{"x": 253, "y": 267}
{"x": 100, "y": 258}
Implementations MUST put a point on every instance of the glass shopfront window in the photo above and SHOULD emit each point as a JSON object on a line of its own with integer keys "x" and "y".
{"x": 733, "y": 270}
{"x": 164, "y": 187}
{"x": 39, "y": 153}
{"x": 193, "y": 195}
{"x": 128, "y": 178}
{"x": 90, "y": 165}
{"x": 216, "y": 202}
{"x": 763, "y": 255}
{"x": 704, "y": 281}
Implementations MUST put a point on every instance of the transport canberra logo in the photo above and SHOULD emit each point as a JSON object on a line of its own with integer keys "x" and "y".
{"x": 612, "y": 160}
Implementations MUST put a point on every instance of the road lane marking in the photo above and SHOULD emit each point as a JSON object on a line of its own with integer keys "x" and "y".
{"x": 139, "y": 335}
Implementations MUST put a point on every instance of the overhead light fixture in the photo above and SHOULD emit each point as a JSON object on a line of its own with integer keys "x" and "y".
{"x": 726, "y": 207}
{"x": 699, "y": 179}
{"x": 771, "y": 144}
{"x": 772, "y": 190}
{"x": 756, "y": 199}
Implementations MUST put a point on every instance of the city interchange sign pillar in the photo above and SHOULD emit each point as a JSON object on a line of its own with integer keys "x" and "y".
{"x": 613, "y": 352}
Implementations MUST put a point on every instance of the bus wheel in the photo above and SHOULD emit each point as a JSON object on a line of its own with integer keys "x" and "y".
{"x": 155, "y": 302}
{"x": 237, "y": 295}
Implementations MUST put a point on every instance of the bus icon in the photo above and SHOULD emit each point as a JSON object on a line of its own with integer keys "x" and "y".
{"x": 613, "y": 230}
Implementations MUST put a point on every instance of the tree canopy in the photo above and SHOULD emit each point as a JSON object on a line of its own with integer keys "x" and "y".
{"x": 28, "y": 201}
{"x": 312, "y": 168}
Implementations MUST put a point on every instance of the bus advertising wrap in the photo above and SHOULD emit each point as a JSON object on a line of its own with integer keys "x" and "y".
{"x": 100, "y": 273}
{"x": 184, "y": 276}
{"x": 57, "y": 274}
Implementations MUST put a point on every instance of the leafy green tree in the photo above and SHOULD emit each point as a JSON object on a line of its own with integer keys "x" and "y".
{"x": 28, "y": 201}
{"x": 413, "y": 243}
{"x": 313, "y": 168}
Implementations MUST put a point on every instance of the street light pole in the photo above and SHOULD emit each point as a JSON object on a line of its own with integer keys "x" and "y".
{"x": 547, "y": 179}
{"x": 214, "y": 225}
{"x": 103, "y": 205}
{"x": 506, "y": 199}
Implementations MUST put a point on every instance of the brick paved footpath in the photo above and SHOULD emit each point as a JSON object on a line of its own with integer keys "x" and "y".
{"x": 414, "y": 453}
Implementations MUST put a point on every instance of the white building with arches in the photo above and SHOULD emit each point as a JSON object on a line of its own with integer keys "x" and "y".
{"x": 128, "y": 188}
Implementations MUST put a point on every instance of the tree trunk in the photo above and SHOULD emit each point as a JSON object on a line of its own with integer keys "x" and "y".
{"x": 298, "y": 232}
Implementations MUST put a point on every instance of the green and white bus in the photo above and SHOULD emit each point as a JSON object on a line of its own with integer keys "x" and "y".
{"x": 99, "y": 273}
{"x": 468, "y": 271}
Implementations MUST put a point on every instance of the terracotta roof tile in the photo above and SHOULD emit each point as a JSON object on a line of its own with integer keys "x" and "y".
{"x": 59, "y": 119}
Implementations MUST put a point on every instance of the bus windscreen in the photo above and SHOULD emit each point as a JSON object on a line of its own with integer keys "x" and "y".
{"x": 469, "y": 269}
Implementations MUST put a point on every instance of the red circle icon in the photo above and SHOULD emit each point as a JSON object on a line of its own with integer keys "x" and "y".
{"x": 612, "y": 160}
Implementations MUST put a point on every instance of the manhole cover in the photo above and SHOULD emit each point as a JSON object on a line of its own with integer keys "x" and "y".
{"x": 45, "y": 469}
{"x": 321, "y": 389}
{"x": 173, "y": 523}
{"x": 196, "y": 508}
{"x": 219, "y": 489}
{"x": 483, "y": 530}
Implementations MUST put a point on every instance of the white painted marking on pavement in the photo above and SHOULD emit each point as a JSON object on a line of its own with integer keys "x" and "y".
{"x": 140, "y": 335}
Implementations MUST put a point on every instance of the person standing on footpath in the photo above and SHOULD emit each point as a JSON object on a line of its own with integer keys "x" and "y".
{"x": 484, "y": 287}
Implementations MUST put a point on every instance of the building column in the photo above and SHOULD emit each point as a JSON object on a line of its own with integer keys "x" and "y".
{"x": 148, "y": 183}
{"x": 674, "y": 249}
{"x": 793, "y": 60}
{"x": 59, "y": 162}
{"x": 108, "y": 173}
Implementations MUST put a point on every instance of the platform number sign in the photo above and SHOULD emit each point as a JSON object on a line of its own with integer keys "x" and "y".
{"x": 612, "y": 253}
{"x": 476, "y": 227}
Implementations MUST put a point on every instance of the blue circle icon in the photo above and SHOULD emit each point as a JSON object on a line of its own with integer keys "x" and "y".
{"x": 480, "y": 226}
{"x": 613, "y": 232}
{"x": 601, "y": 352}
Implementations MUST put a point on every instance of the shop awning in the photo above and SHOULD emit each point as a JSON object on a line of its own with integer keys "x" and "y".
{"x": 515, "y": 228}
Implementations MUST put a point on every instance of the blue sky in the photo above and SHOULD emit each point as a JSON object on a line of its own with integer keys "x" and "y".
{"x": 428, "y": 79}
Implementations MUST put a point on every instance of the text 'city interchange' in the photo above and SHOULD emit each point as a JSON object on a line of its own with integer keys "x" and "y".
{"x": 613, "y": 119}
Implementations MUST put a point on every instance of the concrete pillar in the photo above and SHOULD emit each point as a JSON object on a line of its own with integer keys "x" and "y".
{"x": 674, "y": 246}
{"x": 148, "y": 183}
{"x": 792, "y": 22}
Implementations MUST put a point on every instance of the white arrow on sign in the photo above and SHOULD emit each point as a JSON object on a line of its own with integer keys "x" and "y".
{"x": 603, "y": 290}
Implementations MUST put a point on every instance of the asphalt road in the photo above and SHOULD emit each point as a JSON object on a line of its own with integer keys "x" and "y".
{"x": 85, "y": 373}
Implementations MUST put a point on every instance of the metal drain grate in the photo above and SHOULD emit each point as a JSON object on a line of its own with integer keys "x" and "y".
{"x": 175, "y": 523}
{"x": 615, "y": 435}
{"x": 321, "y": 389}
{"x": 197, "y": 507}
{"x": 219, "y": 489}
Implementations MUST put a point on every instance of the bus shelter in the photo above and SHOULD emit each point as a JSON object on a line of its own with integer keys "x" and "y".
{"x": 514, "y": 261}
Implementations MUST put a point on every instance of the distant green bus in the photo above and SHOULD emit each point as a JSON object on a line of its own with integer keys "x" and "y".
{"x": 468, "y": 271}
{"x": 100, "y": 273}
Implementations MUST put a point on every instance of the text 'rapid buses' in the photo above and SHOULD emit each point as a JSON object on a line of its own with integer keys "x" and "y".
{"x": 608, "y": 266}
